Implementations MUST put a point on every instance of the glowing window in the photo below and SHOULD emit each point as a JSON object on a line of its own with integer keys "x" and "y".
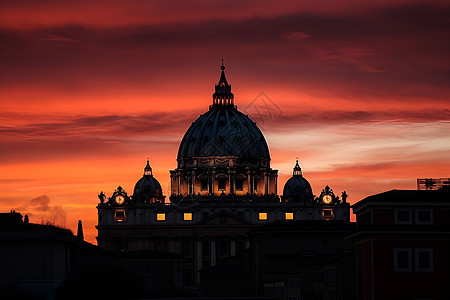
{"x": 221, "y": 184}
{"x": 119, "y": 216}
{"x": 160, "y": 217}
{"x": 239, "y": 184}
{"x": 327, "y": 214}
{"x": 262, "y": 216}
{"x": 289, "y": 216}
{"x": 204, "y": 184}
{"x": 187, "y": 216}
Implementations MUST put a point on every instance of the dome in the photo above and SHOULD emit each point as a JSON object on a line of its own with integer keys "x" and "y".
{"x": 223, "y": 130}
{"x": 148, "y": 189}
{"x": 297, "y": 187}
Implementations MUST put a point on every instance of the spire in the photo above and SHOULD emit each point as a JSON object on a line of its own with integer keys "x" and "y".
{"x": 148, "y": 169}
{"x": 297, "y": 170}
{"x": 80, "y": 234}
{"x": 223, "y": 94}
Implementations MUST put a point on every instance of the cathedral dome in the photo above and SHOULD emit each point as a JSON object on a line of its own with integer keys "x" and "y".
{"x": 297, "y": 187}
{"x": 148, "y": 189}
{"x": 223, "y": 130}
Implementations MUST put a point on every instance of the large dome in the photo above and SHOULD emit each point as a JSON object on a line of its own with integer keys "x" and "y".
{"x": 223, "y": 131}
{"x": 223, "y": 153}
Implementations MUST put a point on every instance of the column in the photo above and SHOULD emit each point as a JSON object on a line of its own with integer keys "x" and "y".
{"x": 249, "y": 183}
{"x": 171, "y": 245}
{"x": 212, "y": 181}
{"x": 233, "y": 247}
{"x": 178, "y": 182}
{"x": 199, "y": 258}
{"x": 231, "y": 177}
{"x": 247, "y": 244}
{"x": 193, "y": 182}
{"x": 213, "y": 253}
{"x": 266, "y": 183}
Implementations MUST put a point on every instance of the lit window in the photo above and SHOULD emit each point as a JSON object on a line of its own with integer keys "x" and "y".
{"x": 262, "y": 216}
{"x": 119, "y": 215}
{"x": 187, "y": 216}
{"x": 239, "y": 184}
{"x": 402, "y": 260}
{"x": 221, "y": 184}
{"x": 204, "y": 185}
{"x": 289, "y": 216}
{"x": 327, "y": 214}
{"x": 160, "y": 217}
{"x": 424, "y": 259}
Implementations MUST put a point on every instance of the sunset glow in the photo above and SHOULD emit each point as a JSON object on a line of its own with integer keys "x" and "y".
{"x": 89, "y": 90}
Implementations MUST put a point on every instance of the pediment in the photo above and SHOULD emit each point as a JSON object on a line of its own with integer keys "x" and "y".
{"x": 223, "y": 218}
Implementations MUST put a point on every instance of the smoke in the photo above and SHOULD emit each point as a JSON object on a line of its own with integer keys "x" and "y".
{"x": 40, "y": 208}
{"x": 41, "y": 203}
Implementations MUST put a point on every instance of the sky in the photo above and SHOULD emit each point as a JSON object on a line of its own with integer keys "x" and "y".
{"x": 359, "y": 91}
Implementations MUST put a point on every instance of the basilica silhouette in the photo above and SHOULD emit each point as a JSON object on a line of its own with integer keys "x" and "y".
{"x": 225, "y": 233}
{"x": 222, "y": 189}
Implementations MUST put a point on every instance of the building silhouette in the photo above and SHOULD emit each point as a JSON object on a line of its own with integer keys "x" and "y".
{"x": 222, "y": 189}
{"x": 224, "y": 232}
{"x": 403, "y": 244}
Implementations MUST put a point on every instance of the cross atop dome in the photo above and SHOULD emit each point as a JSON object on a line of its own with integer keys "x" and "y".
{"x": 223, "y": 94}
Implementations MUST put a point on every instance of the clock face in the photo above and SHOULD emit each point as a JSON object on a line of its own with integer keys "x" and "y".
{"x": 119, "y": 199}
{"x": 327, "y": 199}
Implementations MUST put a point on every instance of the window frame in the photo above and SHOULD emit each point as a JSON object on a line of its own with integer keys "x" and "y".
{"x": 158, "y": 215}
{"x": 396, "y": 267}
{"x": 116, "y": 218}
{"x": 417, "y": 268}
{"x": 290, "y": 214}
{"x": 262, "y": 216}
{"x": 185, "y": 214}
{"x": 203, "y": 184}
{"x": 241, "y": 185}
{"x": 219, "y": 181}
{"x": 430, "y": 222}
{"x": 397, "y": 221}
{"x": 327, "y": 217}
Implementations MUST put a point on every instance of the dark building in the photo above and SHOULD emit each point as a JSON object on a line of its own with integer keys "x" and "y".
{"x": 403, "y": 245}
{"x": 222, "y": 188}
{"x": 47, "y": 262}
{"x": 35, "y": 259}
{"x": 303, "y": 260}
{"x": 224, "y": 232}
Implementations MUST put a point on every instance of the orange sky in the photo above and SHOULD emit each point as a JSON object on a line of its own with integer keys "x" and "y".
{"x": 358, "y": 91}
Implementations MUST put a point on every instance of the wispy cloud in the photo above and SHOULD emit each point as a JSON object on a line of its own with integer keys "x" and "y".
{"x": 41, "y": 209}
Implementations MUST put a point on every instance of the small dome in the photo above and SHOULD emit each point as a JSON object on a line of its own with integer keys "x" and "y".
{"x": 297, "y": 187}
{"x": 148, "y": 189}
